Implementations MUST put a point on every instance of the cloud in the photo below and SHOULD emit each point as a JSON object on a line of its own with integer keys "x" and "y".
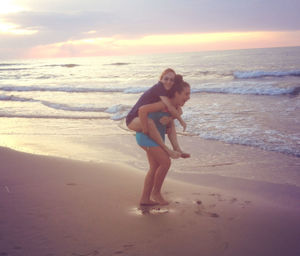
{"x": 162, "y": 17}
{"x": 64, "y": 20}
{"x": 165, "y": 43}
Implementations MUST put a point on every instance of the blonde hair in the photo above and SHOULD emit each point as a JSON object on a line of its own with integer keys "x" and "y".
{"x": 165, "y": 72}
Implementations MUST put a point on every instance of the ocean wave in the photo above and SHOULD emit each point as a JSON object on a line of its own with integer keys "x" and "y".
{"x": 252, "y": 142}
{"x": 15, "y": 98}
{"x": 117, "y": 112}
{"x": 258, "y": 74}
{"x": 118, "y": 64}
{"x": 135, "y": 90}
{"x": 57, "y": 89}
{"x": 71, "y": 108}
{"x": 52, "y": 116}
{"x": 11, "y": 64}
{"x": 46, "y": 77}
{"x": 63, "y": 65}
{"x": 249, "y": 90}
{"x": 240, "y": 88}
{"x": 12, "y": 69}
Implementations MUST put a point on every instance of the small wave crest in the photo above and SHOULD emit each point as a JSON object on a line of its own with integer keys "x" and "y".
{"x": 14, "y": 98}
{"x": 117, "y": 112}
{"x": 63, "y": 65}
{"x": 11, "y": 64}
{"x": 57, "y": 89}
{"x": 12, "y": 69}
{"x": 71, "y": 108}
{"x": 51, "y": 116}
{"x": 249, "y": 90}
{"x": 118, "y": 64}
{"x": 259, "y": 74}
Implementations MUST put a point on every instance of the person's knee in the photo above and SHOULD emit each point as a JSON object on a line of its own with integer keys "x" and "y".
{"x": 166, "y": 163}
{"x": 151, "y": 123}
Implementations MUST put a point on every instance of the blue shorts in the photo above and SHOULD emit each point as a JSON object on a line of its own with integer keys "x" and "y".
{"x": 144, "y": 140}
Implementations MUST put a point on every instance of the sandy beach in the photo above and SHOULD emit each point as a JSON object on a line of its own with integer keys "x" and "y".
{"x": 54, "y": 206}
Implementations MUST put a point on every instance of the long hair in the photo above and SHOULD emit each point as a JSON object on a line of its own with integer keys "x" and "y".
{"x": 179, "y": 85}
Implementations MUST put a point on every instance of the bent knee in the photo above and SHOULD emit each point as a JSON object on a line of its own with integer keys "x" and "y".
{"x": 150, "y": 122}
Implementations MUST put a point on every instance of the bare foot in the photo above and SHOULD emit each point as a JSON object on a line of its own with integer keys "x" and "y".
{"x": 148, "y": 203}
{"x": 159, "y": 199}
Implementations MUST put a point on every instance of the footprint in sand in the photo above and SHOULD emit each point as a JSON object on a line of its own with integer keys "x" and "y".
{"x": 233, "y": 200}
{"x": 149, "y": 210}
{"x": 126, "y": 248}
{"x": 200, "y": 210}
{"x": 128, "y": 245}
{"x": 71, "y": 184}
{"x": 93, "y": 253}
{"x": 218, "y": 196}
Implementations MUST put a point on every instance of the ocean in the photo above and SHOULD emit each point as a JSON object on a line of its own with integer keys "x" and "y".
{"x": 244, "y": 97}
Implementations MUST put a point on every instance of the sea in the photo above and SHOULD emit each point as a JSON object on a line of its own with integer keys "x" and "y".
{"x": 64, "y": 106}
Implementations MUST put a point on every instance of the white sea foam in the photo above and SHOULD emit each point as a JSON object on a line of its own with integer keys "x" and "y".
{"x": 258, "y": 74}
{"x": 135, "y": 90}
{"x": 271, "y": 142}
{"x": 117, "y": 108}
{"x": 230, "y": 88}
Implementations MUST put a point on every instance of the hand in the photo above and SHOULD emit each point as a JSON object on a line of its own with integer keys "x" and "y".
{"x": 183, "y": 124}
{"x": 185, "y": 155}
{"x": 165, "y": 120}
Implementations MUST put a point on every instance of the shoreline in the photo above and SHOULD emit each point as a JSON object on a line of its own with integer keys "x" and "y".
{"x": 213, "y": 163}
{"x": 55, "y": 206}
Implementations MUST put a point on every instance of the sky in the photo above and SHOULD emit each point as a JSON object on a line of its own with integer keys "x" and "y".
{"x": 73, "y": 28}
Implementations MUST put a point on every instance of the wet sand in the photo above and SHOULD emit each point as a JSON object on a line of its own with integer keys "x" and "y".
{"x": 53, "y": 206}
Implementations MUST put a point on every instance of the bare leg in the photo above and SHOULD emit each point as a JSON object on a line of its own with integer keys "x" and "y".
{"x": 149, "y": 181}
{"x": 164, "y": 163}
{"x": 154, "y": 134}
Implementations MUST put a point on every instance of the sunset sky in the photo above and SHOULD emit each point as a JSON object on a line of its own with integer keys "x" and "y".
{"x": 76, "y": 28}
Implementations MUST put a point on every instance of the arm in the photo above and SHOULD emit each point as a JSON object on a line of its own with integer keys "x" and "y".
{"x": 145, "y": 110}
{"x": 173, "y": 139}
{"x": 176, "y": 113}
